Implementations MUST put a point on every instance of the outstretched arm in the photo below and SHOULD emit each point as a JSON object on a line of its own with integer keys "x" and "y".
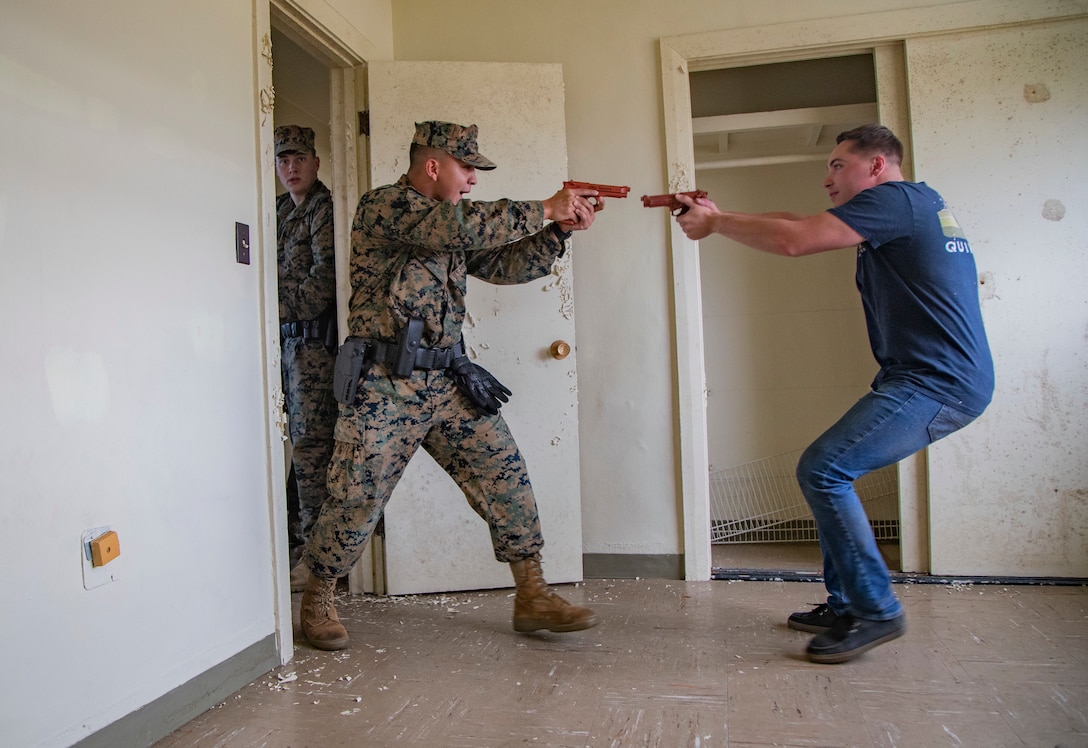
{"x": 532, "y": 257}
{"x": 777, "y": 233}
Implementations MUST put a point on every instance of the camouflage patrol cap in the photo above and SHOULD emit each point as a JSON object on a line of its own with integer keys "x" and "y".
{"x": 458, "y": 141}
{"x": 294, "y": 139}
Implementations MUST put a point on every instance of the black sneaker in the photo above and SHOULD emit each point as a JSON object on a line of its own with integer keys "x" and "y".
{"x": 849, "y": 636}
{"x": 816, "y": 621}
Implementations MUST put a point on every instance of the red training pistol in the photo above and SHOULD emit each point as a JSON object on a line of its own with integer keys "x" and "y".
{"x": 603, "y": 190}
{"x": 669, "y": 201}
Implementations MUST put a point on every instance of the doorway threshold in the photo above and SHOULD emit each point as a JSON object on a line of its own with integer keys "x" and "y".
{"x": 792, "y": 575}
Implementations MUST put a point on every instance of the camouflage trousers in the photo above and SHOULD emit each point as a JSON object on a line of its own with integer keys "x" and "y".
{"x": 377, "y": 436}
{"x": 306, "y": 367}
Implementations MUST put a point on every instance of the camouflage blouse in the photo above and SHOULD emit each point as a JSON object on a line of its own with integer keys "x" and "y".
{"x": 411, "y": 256}
{"x": 307, "y": 265}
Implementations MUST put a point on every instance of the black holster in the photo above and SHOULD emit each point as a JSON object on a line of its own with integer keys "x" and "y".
{"x": 332, "y": 333}
{"x": 357, "y": 354}
{"x": 348, "y": 370}
{"x": 407, "y": 345}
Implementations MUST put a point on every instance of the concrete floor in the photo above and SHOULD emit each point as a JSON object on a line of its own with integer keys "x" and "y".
{"x": 675, "y": 664}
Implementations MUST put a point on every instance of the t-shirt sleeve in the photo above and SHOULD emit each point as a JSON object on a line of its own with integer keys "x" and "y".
{"x": 879, "y": 214}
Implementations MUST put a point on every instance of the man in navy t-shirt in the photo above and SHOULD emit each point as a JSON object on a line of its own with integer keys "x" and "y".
{"x": 919, "y": 289}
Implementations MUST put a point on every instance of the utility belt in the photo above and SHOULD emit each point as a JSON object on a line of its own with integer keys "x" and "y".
{"x": 378, "y": 352}
{"x": 356, "y": 356}
{"x": 322, "y": 328}
{"x": 310, "y": 328}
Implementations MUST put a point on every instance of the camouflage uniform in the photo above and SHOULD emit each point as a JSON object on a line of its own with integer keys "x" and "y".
{"x": 307, "y": 290}
{"x": 411, "y": 256}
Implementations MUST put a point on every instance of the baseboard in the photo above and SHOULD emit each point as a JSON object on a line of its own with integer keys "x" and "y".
{"x": 898, "y": 577}
{"x": 632, "y": 566}
{"x": 153, "y": 722}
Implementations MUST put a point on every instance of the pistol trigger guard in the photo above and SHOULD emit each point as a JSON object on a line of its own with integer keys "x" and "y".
{"x": 681, "y": 210}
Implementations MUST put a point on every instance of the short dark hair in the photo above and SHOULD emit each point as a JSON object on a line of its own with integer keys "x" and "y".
{"x": 419, "y": 153}
{"x": 874, "y": 139}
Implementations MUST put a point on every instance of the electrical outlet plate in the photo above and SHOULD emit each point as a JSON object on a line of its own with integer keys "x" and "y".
{"x": 96, "y": 576}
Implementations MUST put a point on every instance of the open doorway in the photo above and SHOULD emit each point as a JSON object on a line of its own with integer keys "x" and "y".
{"x": 784, "y": 339}
{"x": 307, "y": 74}
{"x": 302, "y": 94}
{"x": 302, "y": 87}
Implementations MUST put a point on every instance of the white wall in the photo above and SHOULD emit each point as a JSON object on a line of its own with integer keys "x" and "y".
{"x": 132, "y": 355}
{"x": 1004, "y": 139}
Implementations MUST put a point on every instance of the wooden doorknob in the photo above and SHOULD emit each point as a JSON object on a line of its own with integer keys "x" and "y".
{"x": 560, "y": 349}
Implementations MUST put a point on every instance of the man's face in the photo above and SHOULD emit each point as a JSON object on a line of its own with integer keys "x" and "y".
{"x": 297, "y": 173}
{"x": 454, "y": 178}
{"x": 848, "y": 173}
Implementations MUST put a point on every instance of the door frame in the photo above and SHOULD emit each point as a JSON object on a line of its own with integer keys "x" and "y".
{"x": 333, "y": 42}
{"x": 780, "y": 43}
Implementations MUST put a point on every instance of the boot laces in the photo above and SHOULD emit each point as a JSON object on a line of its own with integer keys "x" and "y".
{"x": 323, "y": 602}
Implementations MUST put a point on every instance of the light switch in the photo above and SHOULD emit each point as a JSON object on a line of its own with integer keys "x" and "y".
{"x": 241, "y": 243}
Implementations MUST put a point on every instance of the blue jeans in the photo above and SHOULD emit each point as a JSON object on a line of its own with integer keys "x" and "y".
{"x": 887, "y": 425}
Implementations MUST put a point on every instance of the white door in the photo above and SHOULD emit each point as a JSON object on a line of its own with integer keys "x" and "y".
{"x": 433, "y": 541}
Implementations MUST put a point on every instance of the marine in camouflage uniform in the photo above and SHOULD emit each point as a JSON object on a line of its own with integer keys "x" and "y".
{"x": 307, "y": 303}
{"x": 414, "y": 244}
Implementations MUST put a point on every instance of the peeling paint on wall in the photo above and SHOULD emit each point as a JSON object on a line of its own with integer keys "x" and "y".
{"x": 560, "y": 281}
{"x": 268, "y": 102}
{"x": 267, "y": 94}
{"x": 266, "y": 50}
{"x": 1053, "y": 210}
{"x": 987, "y": 286}
{"x": 279, "y": 407}
{"x": 680, "y": 181}
{"x": 1036, "y": 93}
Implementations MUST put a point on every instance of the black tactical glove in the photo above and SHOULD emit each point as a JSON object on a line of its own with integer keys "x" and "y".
{"x": 482, "y": 389}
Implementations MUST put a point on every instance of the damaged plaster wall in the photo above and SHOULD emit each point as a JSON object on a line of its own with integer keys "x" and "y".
{"x": 1003, "y": 138}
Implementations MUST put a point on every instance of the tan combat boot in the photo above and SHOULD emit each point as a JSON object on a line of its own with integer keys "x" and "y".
{"x": 537, "y": 607}
{"x": 317, "y": 615}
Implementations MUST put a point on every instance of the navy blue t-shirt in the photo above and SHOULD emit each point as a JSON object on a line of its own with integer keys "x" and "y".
{"x": 919, "y": 288}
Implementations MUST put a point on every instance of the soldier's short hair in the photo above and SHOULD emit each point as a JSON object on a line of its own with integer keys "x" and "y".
{"x": 874, "y": 139}
{"x": 457, "y": 140}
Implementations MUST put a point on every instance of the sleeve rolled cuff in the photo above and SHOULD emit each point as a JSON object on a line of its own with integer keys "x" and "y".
{"x": 560, "y": 234}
